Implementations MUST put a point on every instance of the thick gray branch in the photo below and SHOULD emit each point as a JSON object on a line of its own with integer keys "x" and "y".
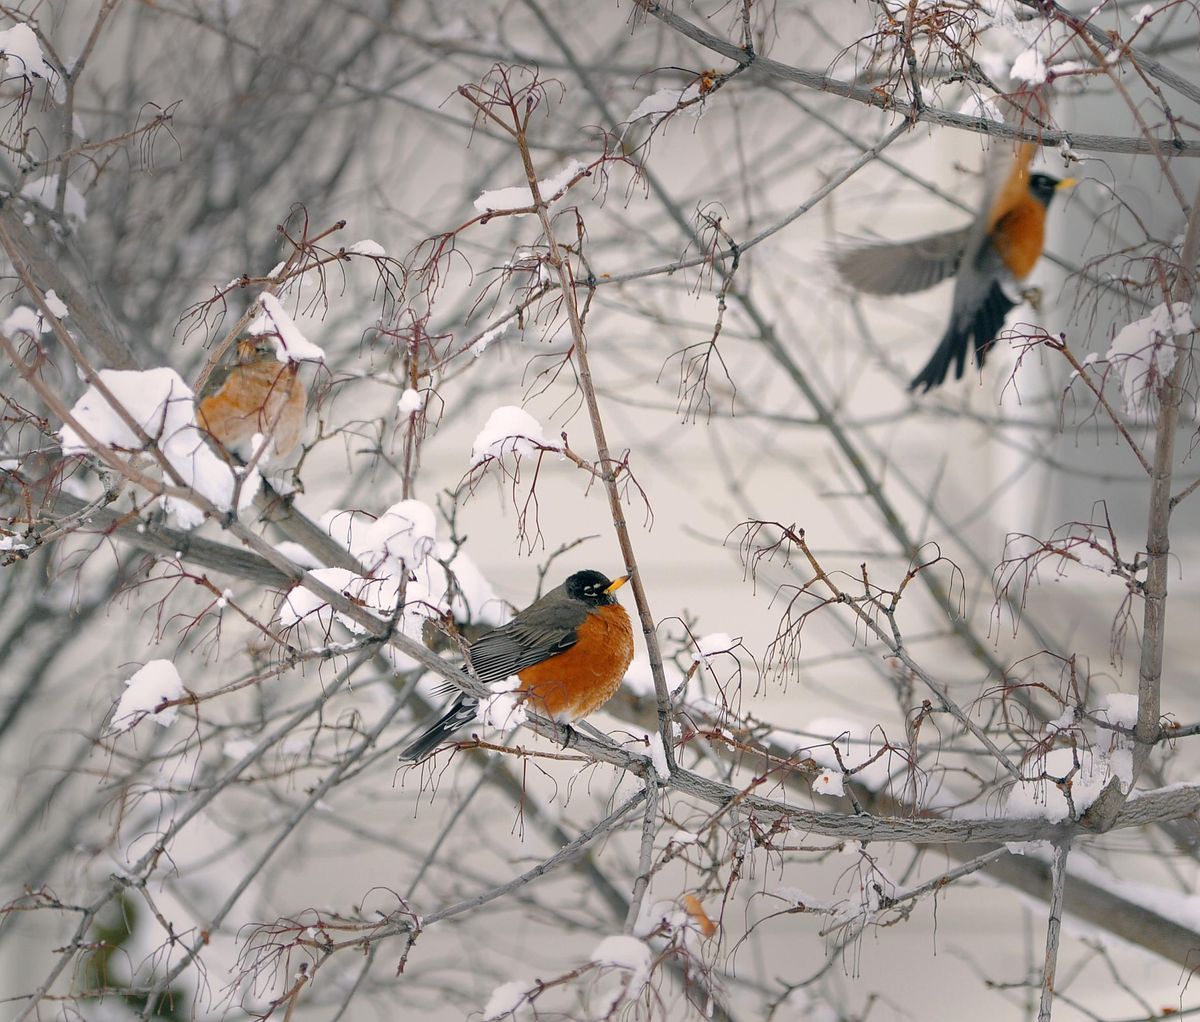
{"x": 765, "y": 67}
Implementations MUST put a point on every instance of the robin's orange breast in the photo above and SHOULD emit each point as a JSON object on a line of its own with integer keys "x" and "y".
{"x": 261, "y": 397}
{"x": 581, "y": 680}
{"x": 1019, "y": 236}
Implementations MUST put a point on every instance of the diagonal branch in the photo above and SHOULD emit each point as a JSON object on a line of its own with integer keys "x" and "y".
{"x": 766, "y": 67}
{"x": 562, "y": 270}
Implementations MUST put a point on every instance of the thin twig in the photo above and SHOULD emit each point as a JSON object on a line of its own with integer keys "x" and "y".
{"x": 1098, "y": 392}
{"x": 561, "y": 268}
{"x": 1053, "y": 927}
{"x": 645, "y": 855}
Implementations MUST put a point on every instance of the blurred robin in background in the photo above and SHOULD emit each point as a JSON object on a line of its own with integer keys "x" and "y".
{"x": 255, "y": 394}
{"x": 570, "y": 650}
{"x": 1000, "y": 247}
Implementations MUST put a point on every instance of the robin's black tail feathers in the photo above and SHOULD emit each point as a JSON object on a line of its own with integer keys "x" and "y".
{"x": 958, "y": 337}
{"x": 460, "y": 714}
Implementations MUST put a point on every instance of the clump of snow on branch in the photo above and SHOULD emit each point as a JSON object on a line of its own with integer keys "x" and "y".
{"x": 1012, "y": 48}
{"x": 401, "y": 537}
{"x": 23, "y": 56}
{"x": 44, "y": 191}
{"x": 1039, "y": 797}
{"x": 1090, "y": 359}
{"x": 1029, "y": 67}
{"x": 1121, "y": 708}
{"x": 376, "y": 595}
{"x": 673, "y": 923}
{"x": 630, "y": 960}
{"x": 657, "y": 105}
{"x": 1064, "y": 67}
{"x": 829, "y": 782}
{"x": 980, "y": 106}
{"x": 505, "y": 707}
{"x": 505, "y": 1000}
{"x": 508, "y": 430}
{"x": 656, "y": 753}
{"x": 504, "y": 200}
{"x": 345, "y": 528}
{"x": 1091, "y": 550}
{"x": 411, "y": 401}
{"x": 488, "y": 336}
{"x": 874, "y": 892}
{"x": 527, "y": 259}
{"x": 19, "y": 43}
{"x": 661, "y": 104}
{"x": 857, "y": 744}
{"x": 298, "y": 554}
{"x": 1143, "y": 353}
{"x": 400, "y": 545}
{"x": 1100, "y": 755}
{"x": 24, "y": 320}
{"x": 1090, "y": 546}
{"x": 367, "y": 247}
{"x": 273, "y": 321}
{"x": 709, "y": 646}
{"x": 163, "y": 406}
{"x": 28, "y": 320}
{"x": 156, "y": 683}
{"x": 797, "y": 898}
{"x": 55, "y": 304}
{"x": 471, "y": 596}
{"x": 1143, "y": 14}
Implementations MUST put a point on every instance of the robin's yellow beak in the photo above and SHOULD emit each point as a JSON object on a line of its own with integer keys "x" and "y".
{"x": 617, "y": 583}
{"x": 1065, "y": 183}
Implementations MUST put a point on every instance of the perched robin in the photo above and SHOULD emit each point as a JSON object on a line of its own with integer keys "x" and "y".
{"x": 999, "y": 248}
{"x": 255, "y": 394}
{"x": 570, "y": 650}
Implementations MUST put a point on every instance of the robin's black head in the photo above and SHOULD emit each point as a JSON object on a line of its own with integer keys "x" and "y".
{"x": 594, "y": 588}
{"x": 1042, "y": 186}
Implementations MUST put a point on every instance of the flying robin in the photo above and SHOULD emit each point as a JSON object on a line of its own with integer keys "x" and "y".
{"x": 999, "y": 248}
{"x": 570, "y": 650}
{"x": 255, "y": 394}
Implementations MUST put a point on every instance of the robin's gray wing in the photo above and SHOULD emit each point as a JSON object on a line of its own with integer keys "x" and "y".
{"x": 542, "y": 630}
{"x": 902, "y": 267}
{"x": 216, "y": 380}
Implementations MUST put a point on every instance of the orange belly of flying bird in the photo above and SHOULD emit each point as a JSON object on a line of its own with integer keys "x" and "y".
{"x": 573, "y": 684}
{"x": 1019, "y": 236}
{"x": 265, "y": 397}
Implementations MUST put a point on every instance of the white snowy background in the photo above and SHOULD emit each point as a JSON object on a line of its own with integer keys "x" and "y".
{"x": 974, "y": 463}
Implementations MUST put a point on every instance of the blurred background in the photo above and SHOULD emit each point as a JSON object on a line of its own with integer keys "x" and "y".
{"x": 204, "y": 138}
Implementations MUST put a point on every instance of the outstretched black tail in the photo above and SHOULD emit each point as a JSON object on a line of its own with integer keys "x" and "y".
{"x": 958, "y": 337}
{"x": 460, "y": 714}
